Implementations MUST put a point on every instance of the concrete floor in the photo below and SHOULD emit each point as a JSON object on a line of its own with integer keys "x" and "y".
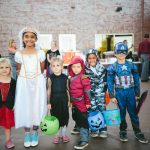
{"x": 111, "y": 143}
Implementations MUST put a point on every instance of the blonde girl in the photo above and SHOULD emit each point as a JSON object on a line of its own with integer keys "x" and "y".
{"x": 7, "y": 96}
{"x": 58, "y": 98}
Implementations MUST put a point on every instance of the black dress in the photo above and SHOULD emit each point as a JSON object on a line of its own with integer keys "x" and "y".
{"x": 59, "y": 98}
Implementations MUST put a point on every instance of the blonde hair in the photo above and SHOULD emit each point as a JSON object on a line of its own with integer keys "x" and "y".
{"x": 56, "y": 59}
{"x": 6, "y": 61}
{"x": 10, "y": 42}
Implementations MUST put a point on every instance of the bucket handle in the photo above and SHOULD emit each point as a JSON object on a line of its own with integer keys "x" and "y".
{"x": 49, "y": 112}
{"x": 117, "y": 106}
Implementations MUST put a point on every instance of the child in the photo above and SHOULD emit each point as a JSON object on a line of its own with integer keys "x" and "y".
{"x": 124, "y": 87}
{"x": 97, "y": 75}
{"x": 7, "y": 96}
{"x": 30, "y": 102}
{"x": 80, "y": 98}
{"x": 12, "y": 50}
{"x": 53, "y": 52}
{"x": 59, "y": 98}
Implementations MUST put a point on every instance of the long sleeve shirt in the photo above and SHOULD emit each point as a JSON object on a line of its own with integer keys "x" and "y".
{"x": 123, "y": 76}
{"x": 80, "y": 92}
{"x": 144, "y": 47}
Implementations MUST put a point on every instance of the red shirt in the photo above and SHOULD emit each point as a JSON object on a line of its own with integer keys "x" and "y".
{"x": 144, "y": 47}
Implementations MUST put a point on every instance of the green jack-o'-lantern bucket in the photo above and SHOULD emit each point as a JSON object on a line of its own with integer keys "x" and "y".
{"x": 49, "y": 125}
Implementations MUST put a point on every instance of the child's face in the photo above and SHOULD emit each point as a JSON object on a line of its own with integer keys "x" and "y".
{"x": 76, "y": 68}
{"x": 5, "y": 69}
{"x": 56, "y": 68}
{"x": 14, "y": 44}
{"x": 29, "y": 39}
{"x": 92, "y": 60}
{"x": 53, "y": 45}
{"x": 120, "y": 56}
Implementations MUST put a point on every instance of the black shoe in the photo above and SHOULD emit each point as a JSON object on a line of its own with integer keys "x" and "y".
{"x": 81, "y": 145}
{"x": 75, "y": 131}
{"x": 123, "y": 136}
{"x": 141, "y": 138}
{"x": 145, "y": 80}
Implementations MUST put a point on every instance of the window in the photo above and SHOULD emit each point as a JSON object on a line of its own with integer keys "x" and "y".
{"x": 106, "y": 42}
{"x": 45, "y": 41}
{"x": 67, "y": 42}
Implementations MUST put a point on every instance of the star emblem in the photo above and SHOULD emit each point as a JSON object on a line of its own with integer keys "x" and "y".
{"x": 124, "y": 67}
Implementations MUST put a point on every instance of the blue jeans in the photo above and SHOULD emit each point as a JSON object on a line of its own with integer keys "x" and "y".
{"x": 145, "y": 66}
{"x": 126, "y": 101}
{"x": 14, "y": 73}
{"x": 13, "y": 64}
{"x": 84, "y": 135}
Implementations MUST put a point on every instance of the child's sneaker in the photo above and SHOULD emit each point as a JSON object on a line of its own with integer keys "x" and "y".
{"x": 27, "y": 139}
{"x": 75, "y": 131}
{"x": 65, "y": 139}
{"x": 123, "y": 136}
{"x": 81, "y": 145}
{"x": 94, "y": 134}
{"x": 103, "y": 134}
{"x": 9, "y": 144}
{"x": 34, "y": 138}
{"x": 141, "y": 138}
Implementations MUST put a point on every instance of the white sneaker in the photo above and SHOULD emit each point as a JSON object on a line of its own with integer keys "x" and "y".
{"x": 94, "y": 134}
{"x": 27, "y": 139}
{"x": 103, "y": 134}
{"x": 34, "y": 139}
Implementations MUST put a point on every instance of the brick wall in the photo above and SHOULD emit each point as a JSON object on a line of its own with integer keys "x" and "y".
{"x": 85, "y": 18}
{"x": 147, "y": 16}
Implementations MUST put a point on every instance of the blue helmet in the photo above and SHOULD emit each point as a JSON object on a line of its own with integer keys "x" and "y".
{"x": 121, "y": 48}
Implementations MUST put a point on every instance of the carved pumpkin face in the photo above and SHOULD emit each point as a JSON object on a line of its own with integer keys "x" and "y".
{"x": 95, "y": 120}
{"x": 49, "y": 125}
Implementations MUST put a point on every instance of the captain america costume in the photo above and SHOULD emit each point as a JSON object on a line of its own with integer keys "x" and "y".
{"x": 123, "y": 84}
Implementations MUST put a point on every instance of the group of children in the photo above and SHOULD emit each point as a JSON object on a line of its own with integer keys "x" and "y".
{"x": 84, "y": 90}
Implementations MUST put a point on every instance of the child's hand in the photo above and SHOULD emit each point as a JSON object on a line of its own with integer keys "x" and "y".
{"x": 88, "y": 106}
{"x": 49, "y": 106}
{"x": 84, "y": 76}
{"x": 114, "y": 100}
{"x": 137, "y": 98}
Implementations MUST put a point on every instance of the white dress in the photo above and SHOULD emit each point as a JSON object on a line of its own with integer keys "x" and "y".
{"x": 31, "y": 97}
